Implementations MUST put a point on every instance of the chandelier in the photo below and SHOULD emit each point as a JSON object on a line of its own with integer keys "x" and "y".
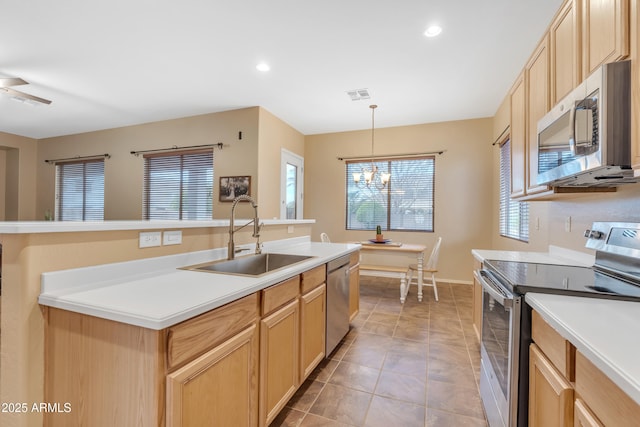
{"x": 371, "y": 176}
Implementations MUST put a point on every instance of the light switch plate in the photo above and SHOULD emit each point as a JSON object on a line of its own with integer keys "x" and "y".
{"x": 173, "y": 237}
{"x": 150, "y": 238}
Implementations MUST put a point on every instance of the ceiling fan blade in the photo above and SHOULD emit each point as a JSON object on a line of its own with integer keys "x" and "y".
{"x": 26, "y": 96}
{"x": 11, "y": 81}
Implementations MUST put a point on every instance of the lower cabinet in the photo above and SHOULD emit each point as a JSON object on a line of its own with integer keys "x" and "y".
{"x": 279, "y": 352}
{"x": 312, "y": 329}
{"x": 354, "y": 285}
{"x": 566, "y": 389}
{"x": 583, "y": 417}
{"x": 218, "y": 388}
{"x": 550, "y": 394}
{"x": 236, "y": 365}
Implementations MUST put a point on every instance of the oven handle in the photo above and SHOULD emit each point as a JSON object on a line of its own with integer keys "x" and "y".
{"x": 492, "y": 289}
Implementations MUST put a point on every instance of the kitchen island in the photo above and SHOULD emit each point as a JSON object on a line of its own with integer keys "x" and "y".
{"x": 33, "y": 248}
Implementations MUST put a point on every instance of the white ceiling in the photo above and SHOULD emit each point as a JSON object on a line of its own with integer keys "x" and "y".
{"x": 115, "y": 63}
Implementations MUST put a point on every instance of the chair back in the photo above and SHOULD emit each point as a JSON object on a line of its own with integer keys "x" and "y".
{"x": 324, "y": 238}
{"x": 433, "y": 259}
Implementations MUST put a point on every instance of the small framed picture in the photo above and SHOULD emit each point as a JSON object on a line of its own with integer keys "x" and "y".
{"x": 234, "y": 186}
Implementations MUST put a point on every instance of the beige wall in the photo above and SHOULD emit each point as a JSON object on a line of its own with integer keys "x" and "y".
{"x": 274, "y": 136}
{"x": 17, "y": 177}
{"x": 463, "y": 185}
{"x": 124, "y": 171}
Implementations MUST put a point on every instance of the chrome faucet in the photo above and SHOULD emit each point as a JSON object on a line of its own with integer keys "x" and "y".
{"x": 231, "y": 250}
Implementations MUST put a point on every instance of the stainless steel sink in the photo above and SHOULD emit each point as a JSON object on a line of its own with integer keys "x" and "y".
{"x": 250, "y": 265}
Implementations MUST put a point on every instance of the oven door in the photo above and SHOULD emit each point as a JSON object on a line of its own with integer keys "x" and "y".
{"x": 499, "y": 351}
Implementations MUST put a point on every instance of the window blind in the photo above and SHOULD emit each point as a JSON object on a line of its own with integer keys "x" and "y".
{"x": 80, "y": 190}
{"x": 178, "y": 185}
{"x": 514, "y": 215}
{"x": 406, "y": 203}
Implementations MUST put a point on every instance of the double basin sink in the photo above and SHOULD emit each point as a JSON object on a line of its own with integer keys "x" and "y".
{"x": 250, "y": 265}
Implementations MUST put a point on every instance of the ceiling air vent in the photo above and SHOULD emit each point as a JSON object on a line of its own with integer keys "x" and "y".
{"x": 358, "y": 94}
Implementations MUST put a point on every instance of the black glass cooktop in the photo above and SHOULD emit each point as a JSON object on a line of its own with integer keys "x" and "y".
{"x": 523, "y": 277}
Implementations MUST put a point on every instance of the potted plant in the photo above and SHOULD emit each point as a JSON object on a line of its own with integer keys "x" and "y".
{"x": 379, "y": 236}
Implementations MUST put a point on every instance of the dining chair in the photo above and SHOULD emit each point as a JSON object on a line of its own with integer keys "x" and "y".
{"x": 430, "y": 268}
{"x": 324, "y": 238}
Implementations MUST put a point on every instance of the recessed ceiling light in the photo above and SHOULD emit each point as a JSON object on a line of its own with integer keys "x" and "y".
{"x": 433, "y": 31}
{"x": 263, "y": 66}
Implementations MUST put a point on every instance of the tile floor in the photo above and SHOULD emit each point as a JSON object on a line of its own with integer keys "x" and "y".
{"x": 407, "y": 365}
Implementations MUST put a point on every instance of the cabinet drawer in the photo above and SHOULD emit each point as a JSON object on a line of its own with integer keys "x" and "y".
{"x": 558, "y": 350}
{"x": 278, "y": 295}
{"x": 193, "y": 337}
{"x": 606, "y": 400}
{"x": 312, "y": 278}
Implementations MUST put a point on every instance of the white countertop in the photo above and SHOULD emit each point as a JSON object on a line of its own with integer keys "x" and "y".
{"x": 27, "y": 227}
{"x": 607, "y": 332}
{"x": 556, "y": 255}
{"x": 154, "y": 294}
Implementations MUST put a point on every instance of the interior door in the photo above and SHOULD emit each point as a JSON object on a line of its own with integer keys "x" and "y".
{"x": 291, "y": 185}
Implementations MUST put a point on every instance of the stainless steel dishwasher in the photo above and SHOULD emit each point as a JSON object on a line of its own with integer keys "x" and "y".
{"x": 337, "y": 302}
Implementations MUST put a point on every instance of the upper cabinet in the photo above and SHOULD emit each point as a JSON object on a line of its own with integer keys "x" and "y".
{"x": 537, "y": 84}
{"x": 605, "y": 32}
{"x": 564, "y": 40}
{"x": 518, "y": 104}
{"x": 583, "y": 35}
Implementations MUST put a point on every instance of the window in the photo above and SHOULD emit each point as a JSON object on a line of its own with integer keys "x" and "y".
{"x": 405, "y": 204}
{"x": 178, "y": 186}
{"x": 80, "y": 190}
{"x": 514, "y": 215}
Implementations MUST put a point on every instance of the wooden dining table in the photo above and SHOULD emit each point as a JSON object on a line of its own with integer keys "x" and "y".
{"x": 395, "y": 271}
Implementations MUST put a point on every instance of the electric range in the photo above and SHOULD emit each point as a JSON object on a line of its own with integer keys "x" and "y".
{"x": 506, "y": 319}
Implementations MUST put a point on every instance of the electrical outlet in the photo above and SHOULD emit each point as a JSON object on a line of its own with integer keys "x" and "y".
{"x": 290, "y": 229}
{"x": 150, "y": 238}
{"x": 537, "y": 223}
{"x": 173, "y": 237}
{"x": 567, "y": 224}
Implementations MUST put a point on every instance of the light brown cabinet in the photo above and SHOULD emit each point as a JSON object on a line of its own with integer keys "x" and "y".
{"x": 312, "y": 320}
{"x": 605, "y": 32}
{"x": 537, "y": 102}
{"x": 354, "y": 285}
{"x": 583, "y": 417}
{"x": 550, "y": 394}
{"x": 518, "y": 137}
{"x": 477, "y": 302}
{"x": 279, "y": 347}
{"x": 218, "y": 388}
{"x": 564, "y": 40}
{"x": 566, "y": 389}
{"x": 606, "y": 402}
{"x": 235, "y": 365}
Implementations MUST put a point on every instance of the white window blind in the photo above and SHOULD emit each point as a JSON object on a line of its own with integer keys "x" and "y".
{"x": 514, "y": 215}
{"x": 178, "y": 185}
{"x": 80, "y": 190}
{"x": 405, "y": 204}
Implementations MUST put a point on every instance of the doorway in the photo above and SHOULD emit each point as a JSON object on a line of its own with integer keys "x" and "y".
{"x": 291, "y": 185}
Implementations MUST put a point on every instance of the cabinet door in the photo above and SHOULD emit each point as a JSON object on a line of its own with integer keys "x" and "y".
{"x": 312, "y": 329}
{"x": 537, "y": 83}
{"x": 582, "y": 416}
{"x": 354, "y": 291}
{"x": 218, "y": 388}
{"x": 565, "y": 48}
{"x": 550, "y": 394}
{"x": 279, "y": 364}
{"x": 605, "y": 26}
{"x": 518, "y": 137}
{"x": 477, "y": 304}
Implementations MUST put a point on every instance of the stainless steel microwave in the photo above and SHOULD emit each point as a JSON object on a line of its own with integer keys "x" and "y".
{"x": 585, "y": 140}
